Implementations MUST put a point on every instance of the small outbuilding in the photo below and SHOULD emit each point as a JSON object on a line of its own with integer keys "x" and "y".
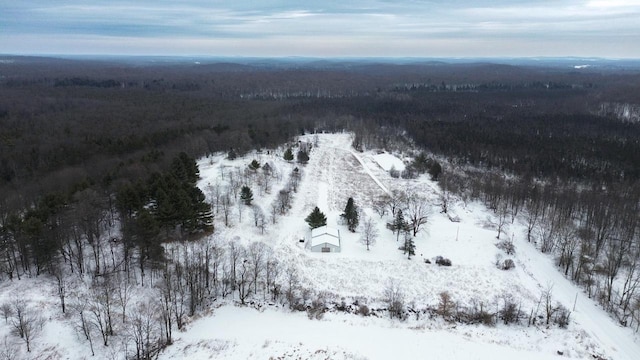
{"x": 324, "y": 239}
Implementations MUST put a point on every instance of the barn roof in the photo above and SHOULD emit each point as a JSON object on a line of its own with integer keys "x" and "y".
{"x": 325, "y": 234}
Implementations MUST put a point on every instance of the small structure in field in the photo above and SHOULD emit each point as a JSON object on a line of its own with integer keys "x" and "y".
{"x": 324, "y": 239}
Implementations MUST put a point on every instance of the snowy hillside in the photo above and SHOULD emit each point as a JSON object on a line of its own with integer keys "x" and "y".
{"x": 355, "y": 278}
{"x": 334, "y": 173}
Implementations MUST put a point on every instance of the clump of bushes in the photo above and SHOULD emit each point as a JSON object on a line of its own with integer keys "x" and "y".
{"x": 364, "y": 310}
{"x": 508, "y": 264}
{"x": 507, "y": 246}
{"x": 443, "y": 261}
{"x": 317, "y": 309}
{"x": 561, "y": 316}
{"x": 479, "y": 314}
{"x": 510, "y": 312}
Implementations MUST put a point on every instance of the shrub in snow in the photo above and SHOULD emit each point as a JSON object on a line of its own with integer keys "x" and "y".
{"x": 317, "y": 309}
{"x": 507, "y": 246}
{"x": 508, "y": 264}
{"x": 6, "y": 311}
{"x": 510, "y": 312}
{"x": 486, "y": 318}
{"x": 364, "y": 310}
{"x": 443, "y": 261}
{"x": 409, "y": 173}
{"x": 562, "y": 316}
{"x": 479, "y": 314}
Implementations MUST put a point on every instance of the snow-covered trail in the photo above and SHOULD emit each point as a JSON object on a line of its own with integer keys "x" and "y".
{"x": 618, "y": 342}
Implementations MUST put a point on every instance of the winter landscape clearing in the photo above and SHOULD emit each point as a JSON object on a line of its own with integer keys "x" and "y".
{"x": 259, "y": 328}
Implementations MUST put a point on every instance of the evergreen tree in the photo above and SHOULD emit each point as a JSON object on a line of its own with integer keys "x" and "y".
{"x": 146, "y": 231}
{"x": 409, "y": 245}
{"x": 177, "y": 200}
{"x": 190, "y": 168}
{"x": 316, "y": 219}
{"x": 399, "y": 224}
{"x": 164, "y": 209}
{"x": 435, "y": 170}
{"x": 254, "y": 165}
{"x": 266, "y": 168}
{"x": 303, "y": 157}
{"x": 231, "y": 155}
{"x": 129, "y": 199}
{"x": 350, "y": 215}
{"x": 199, "y": 217}
{"x": 246, "y": 195}
{"x": 288, "y": 154}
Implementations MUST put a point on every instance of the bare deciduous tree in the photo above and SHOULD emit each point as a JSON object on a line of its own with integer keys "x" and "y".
{"x": 259, "y": 218}
{"x": 272, "y": 270}
{"x": 380, "y": 204}
{"x": 226, "y": 203}
{"x": 548, "y": 304}
{"x": 90, "y": 210}
{"x": 293, "y": 282}
{"x": 274, "y": 211}
{"x": 100, "y": 306}
{"x": 257, "y": 254}
{"x": 7, "y": 312}
{"x": 284, "y": 201}
{"x": 27, "y": 321}
{"x": 215, "y": 194}
{"x": 123, "y": 292}
{"x": 503, "y": 215}
{"x": 369, "y": 232}
{"x": 394, "y": 298}
{"x": 60, "y": 281}
{"x": 82, "y": 323}
{"x": 143, "y": 329}
{"x": 9, "y": 350}
{"x": 418, "y": 212}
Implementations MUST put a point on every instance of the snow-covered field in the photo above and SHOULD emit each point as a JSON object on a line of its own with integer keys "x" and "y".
{"x": 334, "y": 173}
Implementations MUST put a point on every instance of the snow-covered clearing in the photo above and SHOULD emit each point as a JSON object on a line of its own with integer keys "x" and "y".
{"x": 334, "y": 173}
{"x": 388, "y": 161}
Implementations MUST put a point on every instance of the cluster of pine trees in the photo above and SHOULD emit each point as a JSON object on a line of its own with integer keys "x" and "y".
{"x": 167, "y": 206}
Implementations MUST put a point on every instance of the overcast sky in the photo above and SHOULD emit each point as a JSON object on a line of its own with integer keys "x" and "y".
{"x": 326, "y": 28}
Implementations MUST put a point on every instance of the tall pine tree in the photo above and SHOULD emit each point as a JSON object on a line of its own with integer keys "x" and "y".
{"x": 246, "y": 195}
{"x": 316, "y": 219}
{"x": 350, "y": 215}
{"x": 288, "y": 154}
{"x": 399, "y": 224}
{"x": 409, "y": 245}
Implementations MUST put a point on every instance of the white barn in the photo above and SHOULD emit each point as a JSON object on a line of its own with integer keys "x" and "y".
{"x": 324, "y": 239}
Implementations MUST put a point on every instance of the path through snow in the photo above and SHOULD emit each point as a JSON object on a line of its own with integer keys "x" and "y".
{"x": 616, "y": 340}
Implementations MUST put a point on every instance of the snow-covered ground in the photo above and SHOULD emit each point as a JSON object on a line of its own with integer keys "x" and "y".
{"x": 334, "y": 173}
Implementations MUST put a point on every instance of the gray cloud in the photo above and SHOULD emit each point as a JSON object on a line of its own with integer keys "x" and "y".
{"x": 323, "y": 28}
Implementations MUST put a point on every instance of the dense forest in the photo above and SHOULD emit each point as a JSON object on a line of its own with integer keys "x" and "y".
{"x": 88, "y": 144}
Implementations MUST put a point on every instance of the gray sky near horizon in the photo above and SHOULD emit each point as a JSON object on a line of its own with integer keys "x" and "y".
{"x": 328, "y": 28}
